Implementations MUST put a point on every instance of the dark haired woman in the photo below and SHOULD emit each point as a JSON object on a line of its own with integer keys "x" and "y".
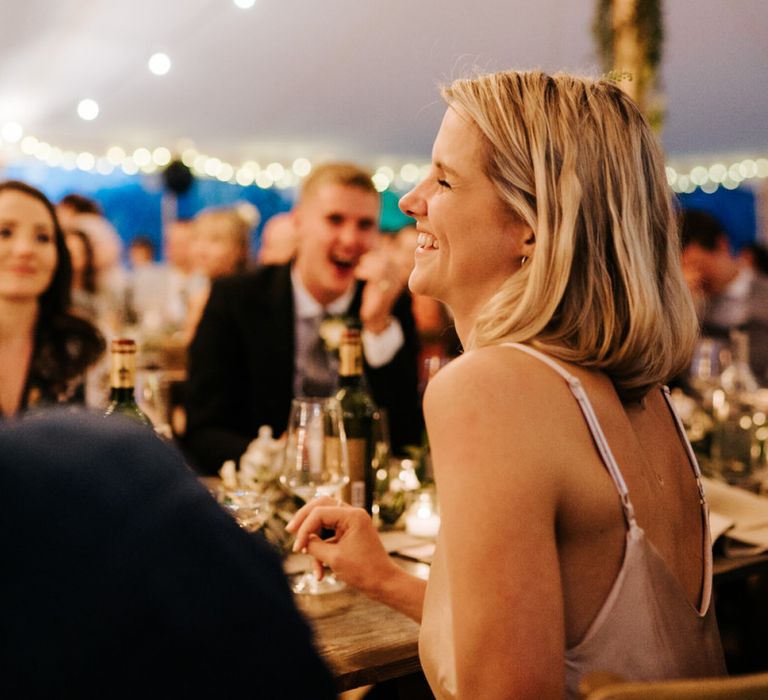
{"x": 44, "y": 348}
{"x": 84, "y": 290}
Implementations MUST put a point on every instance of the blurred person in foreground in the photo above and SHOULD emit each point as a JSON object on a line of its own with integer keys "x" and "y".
{"x": 128, "y": 580}
{"x": 45, "y": 349}
{"x": 574, "y": 533}
{"x": 728, "y": 292}
{"x": 259, "y": 341}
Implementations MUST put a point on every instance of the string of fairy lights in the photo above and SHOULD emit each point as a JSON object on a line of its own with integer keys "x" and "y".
{"x": 15, "y": 144}
{"x": 708, "y": 177}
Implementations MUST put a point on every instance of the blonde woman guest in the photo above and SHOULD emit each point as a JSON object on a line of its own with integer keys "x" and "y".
{"x": 574, "y": 529}
{"x": 220, "y": 246}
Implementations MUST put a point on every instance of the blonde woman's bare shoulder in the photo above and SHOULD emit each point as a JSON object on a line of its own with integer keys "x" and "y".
{"x": 500, "y": 377}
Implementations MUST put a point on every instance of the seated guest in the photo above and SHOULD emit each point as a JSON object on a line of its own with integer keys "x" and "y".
{"x": 85, "y": 298}
{"x": 258, "y": 343}
{"x": 221, "y": 241}
{"x": 141, "y": 251}
{"x": 574, "y": 533}
{"x": 45, "y": 349}
{"x": 729, "y": 293}
{"x": 125, "y": 579}
{"x": 80, "y": 212}
{"x": 220, "y": 245}
{"x": 278, "y": 240}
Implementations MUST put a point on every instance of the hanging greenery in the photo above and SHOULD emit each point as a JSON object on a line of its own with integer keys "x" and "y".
{"x": 646, "y": 21}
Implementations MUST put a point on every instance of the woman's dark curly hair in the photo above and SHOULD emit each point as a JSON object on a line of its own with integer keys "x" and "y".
{"x": 65, "y": 344}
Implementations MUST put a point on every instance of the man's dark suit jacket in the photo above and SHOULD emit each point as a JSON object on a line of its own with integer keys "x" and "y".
{"x": 241, "y": 368}
{"x": 123, "y": 578}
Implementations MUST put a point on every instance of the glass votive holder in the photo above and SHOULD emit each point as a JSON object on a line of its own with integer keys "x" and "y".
{"x": 422, "y": 519}
{"x": 251, "y": 509}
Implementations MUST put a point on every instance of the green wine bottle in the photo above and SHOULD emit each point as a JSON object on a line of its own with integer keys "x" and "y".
{"x": 358, "y": 411}
{"x": 122, "y": 398}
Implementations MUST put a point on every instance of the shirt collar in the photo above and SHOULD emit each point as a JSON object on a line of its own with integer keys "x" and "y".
{"x": 306, "y": 306}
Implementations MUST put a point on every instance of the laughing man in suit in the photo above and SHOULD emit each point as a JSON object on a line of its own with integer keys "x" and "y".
{"x": 256, "y": 344}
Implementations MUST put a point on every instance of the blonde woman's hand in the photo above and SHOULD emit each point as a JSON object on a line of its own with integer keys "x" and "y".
{"x": 354, "y": 553}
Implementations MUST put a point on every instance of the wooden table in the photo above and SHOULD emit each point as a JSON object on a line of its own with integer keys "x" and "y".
{"x": 364, "y": 642}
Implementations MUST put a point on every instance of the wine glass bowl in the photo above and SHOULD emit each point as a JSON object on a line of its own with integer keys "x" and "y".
{"x": 315, "y": 464}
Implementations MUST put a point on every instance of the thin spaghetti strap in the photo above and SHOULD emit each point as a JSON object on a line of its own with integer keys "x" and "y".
{"x": 686, "y": 442}
{"x": 574, "y": 383}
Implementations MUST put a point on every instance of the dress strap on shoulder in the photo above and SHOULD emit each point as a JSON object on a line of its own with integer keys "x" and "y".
{"x": 604, "y": 449}
{"x": 686, "y": 442}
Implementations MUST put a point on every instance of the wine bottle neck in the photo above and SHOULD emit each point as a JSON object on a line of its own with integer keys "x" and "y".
{"x": 351, "y": 381}
{"x": 122, "y": 395}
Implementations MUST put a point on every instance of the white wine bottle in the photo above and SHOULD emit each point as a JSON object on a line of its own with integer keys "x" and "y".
{"x": 358, "y": 411}
{"x": 122, "y": 397}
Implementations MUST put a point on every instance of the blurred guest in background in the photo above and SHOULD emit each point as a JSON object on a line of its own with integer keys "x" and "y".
{"x": 278, "y": 240}
{"x": 177, "y": 240}
{"x": 128, "y": 580}
{"x": 45, "y": 349}
{"x": 546, "y": 224}
{"x": 221, "y": 243}
{"x": 259, "y": 341}
{"x": 728, "y": 293}
{"x": 84, "y": 291}
{"x": 141, "y": 251}
{"x": 755, "y": 255}
{"x": 80, "y": 212}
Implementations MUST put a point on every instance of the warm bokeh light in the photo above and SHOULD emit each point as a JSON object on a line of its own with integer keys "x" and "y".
{"x": 11, "y": 132}
{"x": 159, "y": 63}
{"x": 85, "y": 161}
{"x": 88, "y": 109}
{"x": 161, "y": 156}
{"x": 302, "y": 167}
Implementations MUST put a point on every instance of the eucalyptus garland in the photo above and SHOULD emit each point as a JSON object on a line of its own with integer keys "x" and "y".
{"x": 648, "y": 23}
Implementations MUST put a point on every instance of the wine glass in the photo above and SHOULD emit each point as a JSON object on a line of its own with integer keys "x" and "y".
{"x": 315, "y": 464}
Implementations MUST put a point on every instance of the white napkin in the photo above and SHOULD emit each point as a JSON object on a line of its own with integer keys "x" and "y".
{"x": 737, "y": 514}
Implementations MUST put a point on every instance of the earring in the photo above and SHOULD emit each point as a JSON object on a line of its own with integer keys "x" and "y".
{"x": 523, "y": 260}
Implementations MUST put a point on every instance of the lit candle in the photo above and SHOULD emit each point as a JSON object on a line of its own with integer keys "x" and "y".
{"x": 422, "y": 521}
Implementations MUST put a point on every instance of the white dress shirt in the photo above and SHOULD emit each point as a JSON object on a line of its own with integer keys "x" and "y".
{"x": 379, "y": 349}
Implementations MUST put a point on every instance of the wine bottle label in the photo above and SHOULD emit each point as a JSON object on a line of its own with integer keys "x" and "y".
{"x": 357, "y": 498}
{"x": 350, "y": 359}
{"x": 354, "y": 492}
{"x": 123, "y": 370}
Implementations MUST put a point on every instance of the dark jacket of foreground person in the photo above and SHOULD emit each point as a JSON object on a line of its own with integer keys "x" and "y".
{"x": 122, "y": 577}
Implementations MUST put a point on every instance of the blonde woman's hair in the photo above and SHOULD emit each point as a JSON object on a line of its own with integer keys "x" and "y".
{"x": 575, "y": 160}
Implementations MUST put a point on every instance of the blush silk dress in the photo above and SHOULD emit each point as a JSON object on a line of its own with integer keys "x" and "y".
{"x": 646, "y": 629}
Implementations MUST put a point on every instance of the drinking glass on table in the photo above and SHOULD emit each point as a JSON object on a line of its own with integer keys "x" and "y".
{"x": 316, "y": 464}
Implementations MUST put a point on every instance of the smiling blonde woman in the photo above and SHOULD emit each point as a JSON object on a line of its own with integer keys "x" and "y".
{"x": 574, "y": 530}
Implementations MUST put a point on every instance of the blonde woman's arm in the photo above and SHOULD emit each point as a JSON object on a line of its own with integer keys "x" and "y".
{"x": 490, "y": 420}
